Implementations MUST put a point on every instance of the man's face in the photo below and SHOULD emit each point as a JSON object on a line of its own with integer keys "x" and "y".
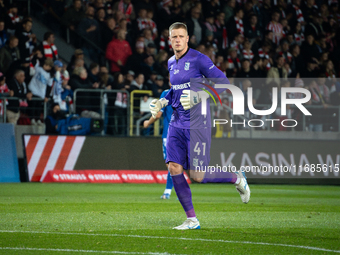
{"x": 90, "y": 11}
{"x": 51, "y": 39}
{"x": 276, "y": 17}
{"x": 280, "y": 62}
{"x": 77, "y": 5}
{"x": 2, "y": 25}
{"x": 20, "y": 77}
{"x": 179, "y": 39}
{"x": 27, "y": 26}
{"x": 14, "y": 43}
{"x": 140, "y": 79}
{"x": 253, "y": 20}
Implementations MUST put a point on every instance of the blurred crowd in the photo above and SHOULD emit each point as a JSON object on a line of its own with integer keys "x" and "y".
{"x": 127, "y": 42}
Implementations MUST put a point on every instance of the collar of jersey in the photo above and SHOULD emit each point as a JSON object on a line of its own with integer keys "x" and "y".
{"x": 183, "y": 54}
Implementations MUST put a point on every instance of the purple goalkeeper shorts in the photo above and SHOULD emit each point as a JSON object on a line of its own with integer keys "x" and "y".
{"x": 189, "y": 148}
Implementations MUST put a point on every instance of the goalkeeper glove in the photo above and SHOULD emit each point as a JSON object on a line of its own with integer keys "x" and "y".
{"x": 189, "y": 98}
{"x": 157, "y": 105}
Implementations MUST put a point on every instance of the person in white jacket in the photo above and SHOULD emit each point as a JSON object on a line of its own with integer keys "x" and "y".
{"x": 40, "y": 86}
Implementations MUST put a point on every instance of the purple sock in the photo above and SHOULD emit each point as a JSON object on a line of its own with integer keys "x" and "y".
{"x": 184, "y": 194}
{"x": 219, "y": 176}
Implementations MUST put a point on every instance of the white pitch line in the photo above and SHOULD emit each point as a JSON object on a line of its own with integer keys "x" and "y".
{"x": 176, "y": 238}
{"x": 82, "y": 251}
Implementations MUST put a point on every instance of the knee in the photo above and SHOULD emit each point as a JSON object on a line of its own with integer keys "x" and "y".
{"x": 175, "y": 168}
{"x": 196, "y": 176}
{"x": 197, "y": 179}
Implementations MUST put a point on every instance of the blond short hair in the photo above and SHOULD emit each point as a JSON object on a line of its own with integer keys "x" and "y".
{"x": 178, "y": 25}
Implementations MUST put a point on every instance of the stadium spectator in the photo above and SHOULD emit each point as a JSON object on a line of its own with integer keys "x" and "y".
{"x": 3, "y": 34}
{"x": 233, "y": 63}
{"x": 235, "y": 25}
{"x": 275, "y": 27}
{"x": 18, "y": 86}
{"x": 161, "y": 63}
{"x": 159, "y": 86}
{"x": 73, "y": 15}
{"x": 86, "y": 101}
{"x": 257, "y": 70}
{"x": 244, "y": 72}
{"x": 125, "y": 7}
{"x": 4, "y": 92}
{"x": 148, "y": 39}
{"x": 195, "y": 27}
{"x": 9, "y": 55}
{"x": 48, "y": 47}
{"x": 105, "y": 79}
{"x": 40, "y": 86}
{"x": 148, "y": 65}
{"x": 100, "y": 17}
{"x": 78, "y": 54}
{"x": 229, "y": 10}
{"x": 135, "y": 60}
{"x": 89, "y": 28}
{"x": 297, "y": 63}
{"x": 277, "y": 72}
{"x": 164, "y": 41}
{"x": 299, "y": 36}
{"x": 52, "y": 119}
{"x": 61, "y": 91}
{"x": 309, "y": 49}
{"x": 93, "y": 73}
{"x": 151, "y": 49}
{"x": 252, "y": 30}
{"x": 27, "y": 40}
{"x": 247, "y": 53}
{"x": 165, "y": 15}
{"x": 56, "y": 9}
{"x": 138, "y": 83}
{"x": 311, "y": 69}
{"x": 12, "y": 19}
{"x": 221, "y": 32}
{"x": 315, "y": 26}
{"x": 294, "y": 14}
{"x": 285, "y": 51}
{"x": 308, "y": 10}
{"x": 151, "y": 82}
{"x": 109, "y": 31}
{"x": 120, "y": 105}
{"x": 118, "y": 51}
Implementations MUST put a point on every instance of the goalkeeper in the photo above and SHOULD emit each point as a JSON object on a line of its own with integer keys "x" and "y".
{"x": 189, "y": 134}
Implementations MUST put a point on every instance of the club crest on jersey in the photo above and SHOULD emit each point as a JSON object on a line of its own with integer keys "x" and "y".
{"x": 195, "y": 162}
{"x": 187, "y": 66}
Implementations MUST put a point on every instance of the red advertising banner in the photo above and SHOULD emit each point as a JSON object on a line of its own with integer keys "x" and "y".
{"x": 136, "y": 176}
{"x": 106, "y": 176}
{"x": 161, "y": 176}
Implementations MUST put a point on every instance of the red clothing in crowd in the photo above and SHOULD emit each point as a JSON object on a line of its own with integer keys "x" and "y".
{"x": 117, "y": 50}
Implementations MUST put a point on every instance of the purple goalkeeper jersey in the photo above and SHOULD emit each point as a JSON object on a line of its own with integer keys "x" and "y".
{"x": 192, "y": 64}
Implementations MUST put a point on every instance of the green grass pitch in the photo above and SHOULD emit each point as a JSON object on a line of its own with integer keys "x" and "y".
{"x": 44, "y": 219}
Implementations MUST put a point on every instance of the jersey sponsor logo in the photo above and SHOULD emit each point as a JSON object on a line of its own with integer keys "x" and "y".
{"x": 195, "y": 162}
{"x": 187, "y": 66}
{"x": 181, "y": 86}
{"x": 176, "y": 71}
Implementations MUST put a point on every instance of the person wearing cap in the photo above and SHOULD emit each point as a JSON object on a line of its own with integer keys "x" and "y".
{"x": 118, "y": 51}
{"x": 58, "y": 90}
{"x": 40, "y": 86}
